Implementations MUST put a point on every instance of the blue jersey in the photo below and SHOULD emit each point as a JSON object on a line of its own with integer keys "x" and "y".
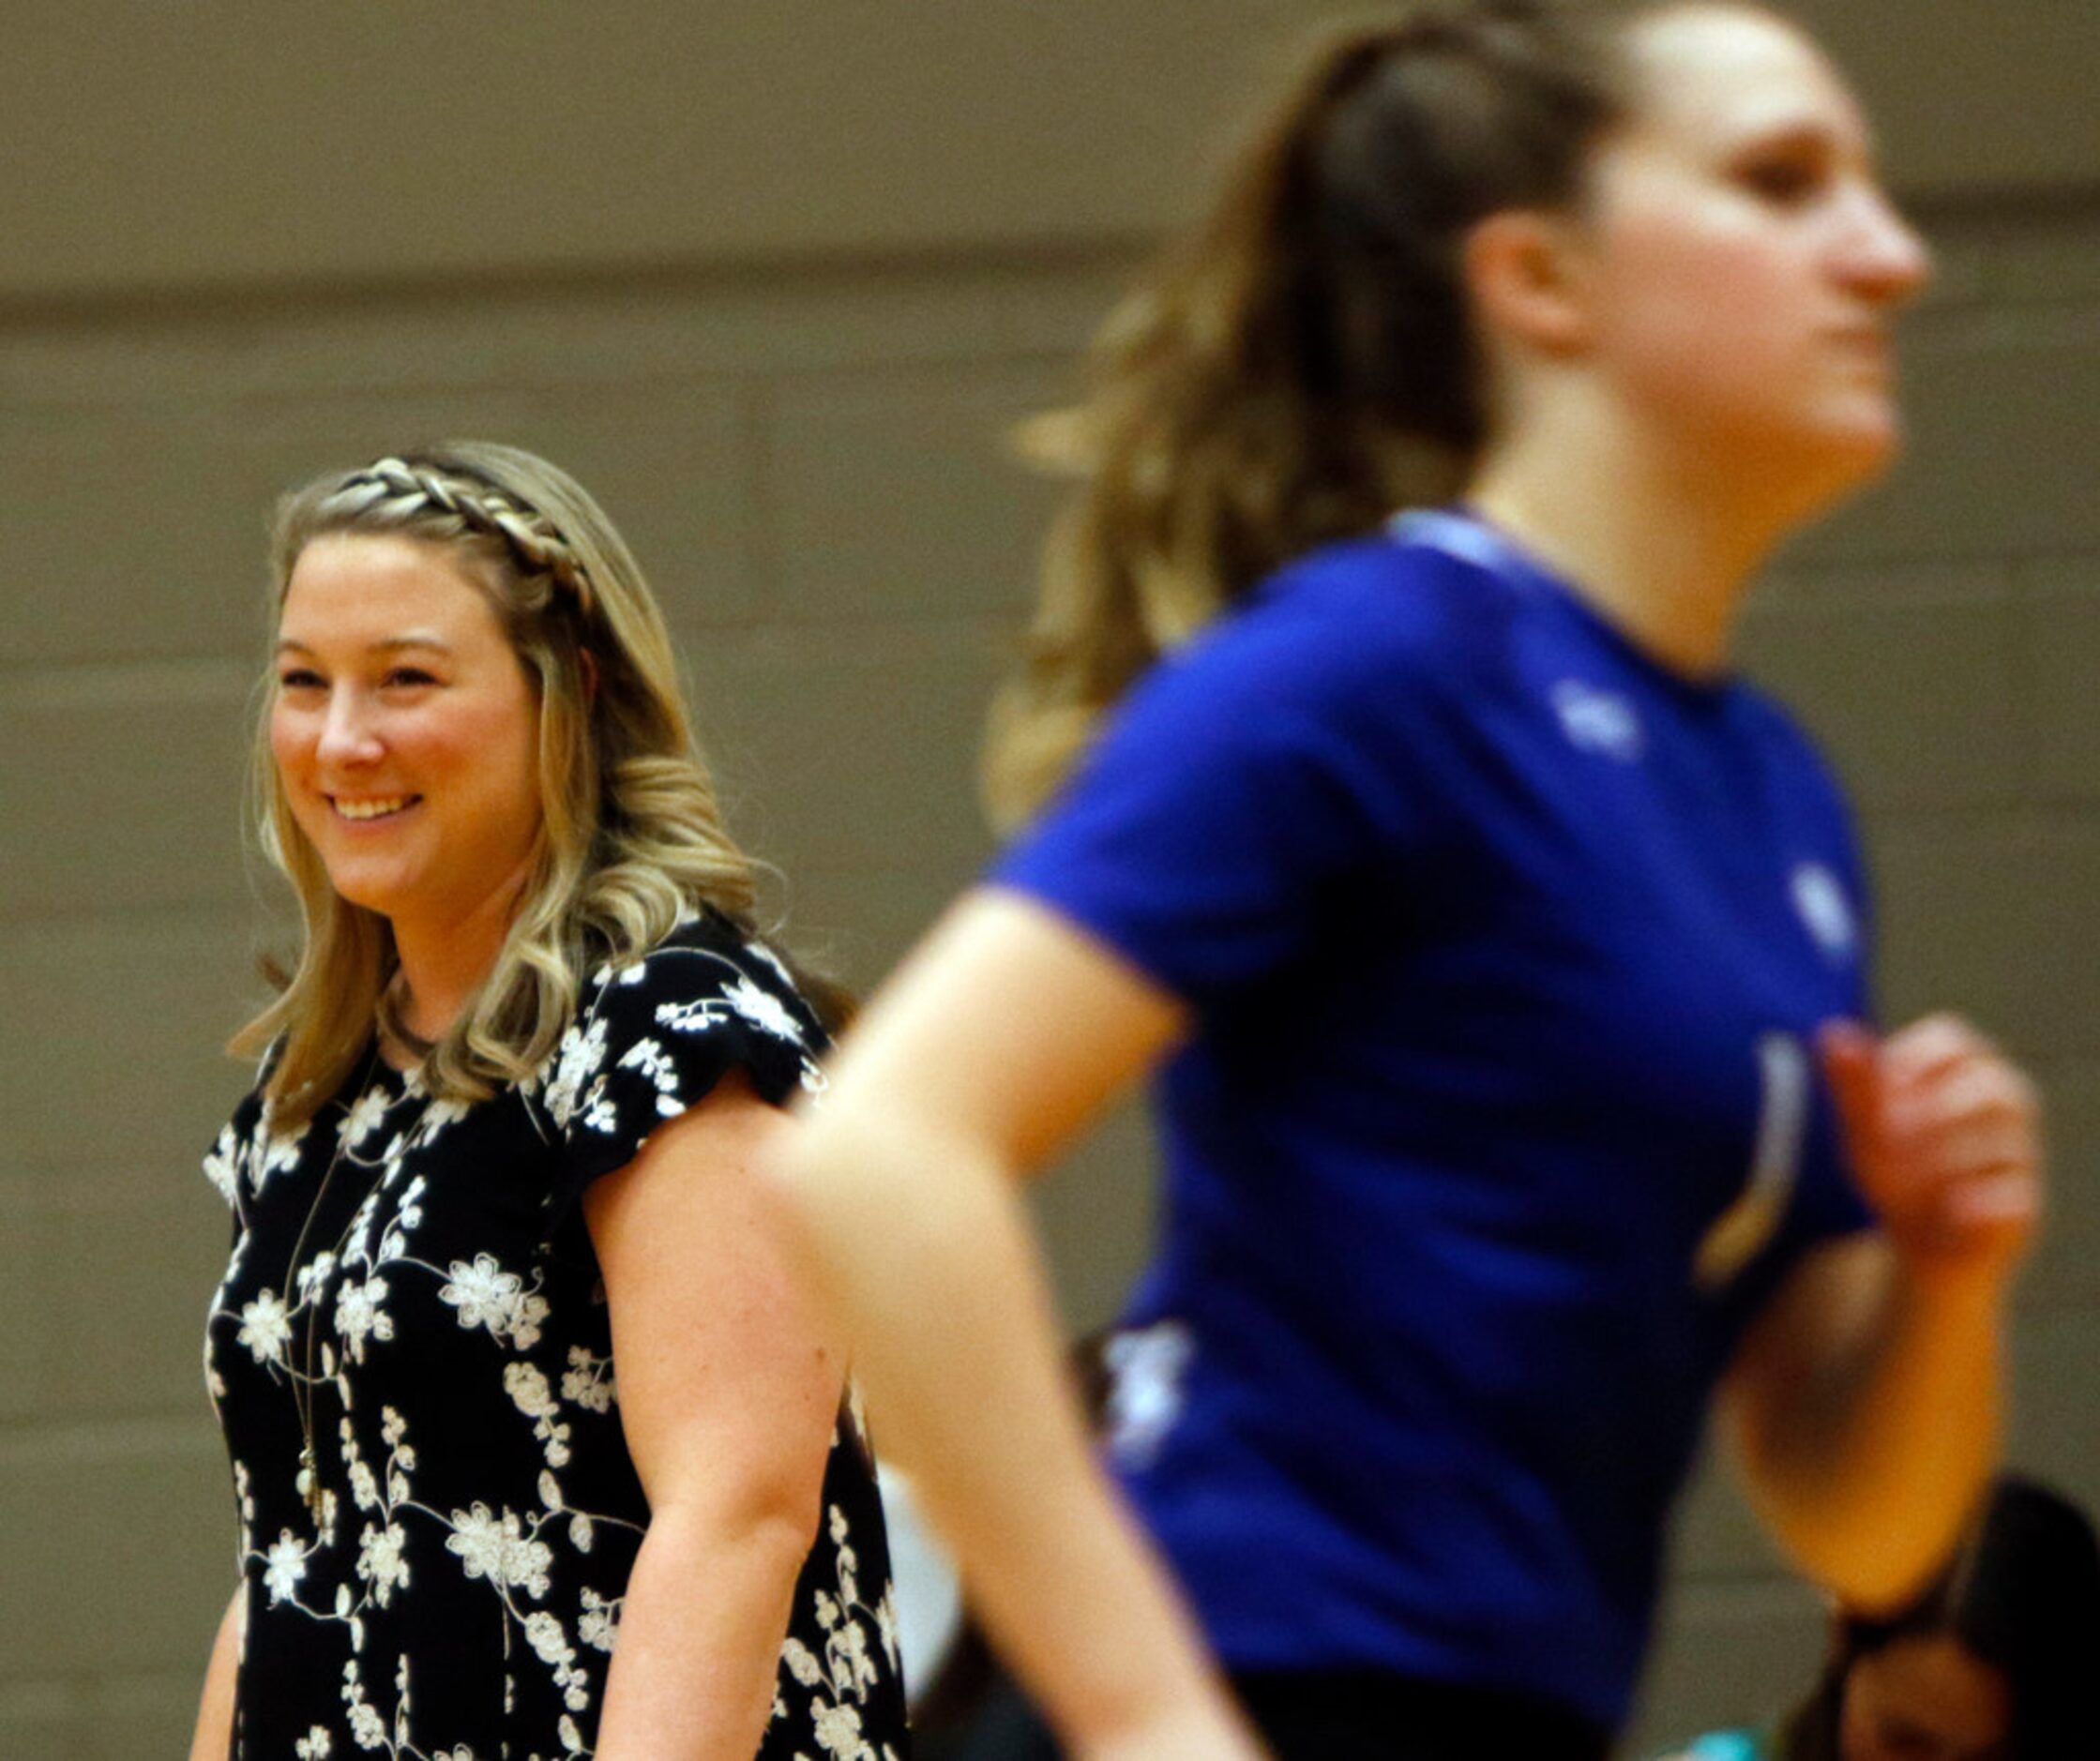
{"x": 1506, "y": 947}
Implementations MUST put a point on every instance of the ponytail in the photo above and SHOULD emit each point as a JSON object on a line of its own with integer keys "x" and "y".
{"x": 1303, "y": 364}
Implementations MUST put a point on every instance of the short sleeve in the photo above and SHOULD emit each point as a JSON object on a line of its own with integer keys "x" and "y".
{"x": 1246, "y": 780}
{"x": 653, "y": 1037}
{"x": 244, "y": 1154}
{"x": 1840, "y": 906}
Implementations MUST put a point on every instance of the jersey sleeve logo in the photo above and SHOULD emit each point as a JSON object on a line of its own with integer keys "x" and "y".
{"x": 1599, "y": 721}
{"x": 1145, "y": 1369}
{"x": 1818, "y": 896}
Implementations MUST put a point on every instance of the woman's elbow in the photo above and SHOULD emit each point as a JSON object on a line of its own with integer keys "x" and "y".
{"x": 771, "y": 1519}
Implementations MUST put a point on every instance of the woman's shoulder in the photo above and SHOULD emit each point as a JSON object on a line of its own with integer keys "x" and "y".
{"x": 705, "y": 962}
{"x": 706, "y": 993}
{"x": 654, "y": 1030}
{"x": 259, "y": 1140}
{"x": 1365, "y": 625}
{"x": 1378, "y": 586}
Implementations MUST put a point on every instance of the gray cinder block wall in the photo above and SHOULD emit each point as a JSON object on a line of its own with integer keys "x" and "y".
{"x": 774, "y": 292}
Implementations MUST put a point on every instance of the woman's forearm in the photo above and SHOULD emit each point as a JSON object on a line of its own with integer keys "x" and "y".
{"x": 214, "y": 1737}
{"x": 1869, "y": 1468}
{"x": 1000, "y": 1037}
{"x": 944, "y": 1297}
{"x": 1919, "y": 1438}
{"x": 1868, "y": 1395}
{"x": 700, "y": 1636}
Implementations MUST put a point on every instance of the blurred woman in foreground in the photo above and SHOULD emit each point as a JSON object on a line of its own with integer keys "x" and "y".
{"x": 1503, "y": 954}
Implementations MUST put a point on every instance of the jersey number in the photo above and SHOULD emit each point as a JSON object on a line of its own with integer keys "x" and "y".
{"x": 1742, "y": 1231}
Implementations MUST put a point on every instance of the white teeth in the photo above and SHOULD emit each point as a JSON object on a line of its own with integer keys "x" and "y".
{"x": 371, "y": 809}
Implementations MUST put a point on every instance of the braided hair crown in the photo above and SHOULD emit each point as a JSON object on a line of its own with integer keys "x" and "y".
{"x": 631, "y": 834}
{"x": 401, "y": 489}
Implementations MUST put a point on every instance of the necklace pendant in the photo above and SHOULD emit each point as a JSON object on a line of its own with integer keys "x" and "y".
{"x": 310, "y": 1481}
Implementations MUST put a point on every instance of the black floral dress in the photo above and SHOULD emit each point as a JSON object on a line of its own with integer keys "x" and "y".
{"x": 451, "y": 1589}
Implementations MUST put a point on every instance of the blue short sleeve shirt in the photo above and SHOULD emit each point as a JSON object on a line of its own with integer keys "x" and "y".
{"x": 1506, "y": 947}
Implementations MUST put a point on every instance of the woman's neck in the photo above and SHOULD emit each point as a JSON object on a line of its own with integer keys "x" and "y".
{"x": 444, "y": 957}
{"x": 1663, "y": 545}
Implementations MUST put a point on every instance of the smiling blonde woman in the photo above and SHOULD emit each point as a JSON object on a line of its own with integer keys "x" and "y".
{"x": 536, "y": 1451}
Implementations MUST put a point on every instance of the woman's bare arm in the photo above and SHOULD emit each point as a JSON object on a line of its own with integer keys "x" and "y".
{"x": 1866, "y": 1401}
{"x": 727, "y": 1395}
{"x": 1002, "y": 1036}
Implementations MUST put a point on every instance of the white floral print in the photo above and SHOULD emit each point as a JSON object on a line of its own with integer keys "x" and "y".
{"x": 487, "y": 1296}
{"x": 285, "y": 1565}
{"x": 223, "y": 1166}
{"x": 582, "y": 1050}
{"x": 266, "y": 1328}
{"x": 498, "y": 1549}
{"x": 363, "y": 1118}
{"x": 764, "y": 1010}
{"x": 380, "y": 1561}
{"x": 443, "y": 1327}
{"x": 360, "y": 1315}
{"x": 588, "y": 1380}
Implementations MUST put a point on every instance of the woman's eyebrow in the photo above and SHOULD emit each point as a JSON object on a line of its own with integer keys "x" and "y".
{"x": 386, "y": 645}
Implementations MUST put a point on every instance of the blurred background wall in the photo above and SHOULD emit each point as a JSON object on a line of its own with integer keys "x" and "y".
{"x": 773, "y": 279}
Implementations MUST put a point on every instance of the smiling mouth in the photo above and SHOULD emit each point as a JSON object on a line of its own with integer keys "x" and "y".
{"x": 374, "y": 808}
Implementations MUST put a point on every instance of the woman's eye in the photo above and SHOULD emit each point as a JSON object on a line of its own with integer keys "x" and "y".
{"x": 299, "y": 679}
{"x": 409, "y": 676}
{"x": 1783, "y": 181}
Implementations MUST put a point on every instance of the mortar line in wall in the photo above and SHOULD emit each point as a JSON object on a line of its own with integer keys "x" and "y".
{"x": 1992, "y": 206}
{"x": 1809, "y": 570}
{"x": 666, "y": 373}
{"x": 26, "y": 1439}
{"x": 89, "y": 308}
{"x": 213, "y": 913}
{"x": 1991, "y": 324}
{"x": 81, "y": 1688}
{"x": 2052, "y": 556}
{"x": 2057, "y": 1305}
{"x": 88, "y": 1186}
{"x": 2012, "y": 306}
{"x": 798, "y": 373}
{"x": 2071, "y": 1069}
{"x": 2016, "y": 813}
{"x": 31, "y": 683}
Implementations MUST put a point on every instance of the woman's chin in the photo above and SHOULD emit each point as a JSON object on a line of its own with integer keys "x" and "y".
{"x": 1856, "y": 453}
{"x": 356, "y": 884}
{"x": 1809, "y": 471}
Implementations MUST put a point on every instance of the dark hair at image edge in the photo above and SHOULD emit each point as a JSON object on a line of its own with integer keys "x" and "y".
{"x": 2022, "y": 1594}
{"x": 1302, "y": 364}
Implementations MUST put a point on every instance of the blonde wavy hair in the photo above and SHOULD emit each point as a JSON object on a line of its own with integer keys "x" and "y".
{"x": 1303, "y": 364}
{"x": 631, "y": 834}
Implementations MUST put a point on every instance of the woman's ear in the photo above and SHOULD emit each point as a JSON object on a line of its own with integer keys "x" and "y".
{"x": 589, "y": 663}
{"x": 1526, "y": 273}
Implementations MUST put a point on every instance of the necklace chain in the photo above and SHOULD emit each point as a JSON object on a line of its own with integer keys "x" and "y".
{"x": 302, "y": 1378}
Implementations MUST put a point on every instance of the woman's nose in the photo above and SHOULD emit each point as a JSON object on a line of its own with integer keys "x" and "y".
{"x": 1888, "y": 257}
{"x": 347, "y": 735}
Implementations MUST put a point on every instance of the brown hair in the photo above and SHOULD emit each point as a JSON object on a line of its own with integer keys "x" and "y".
{"x": 2021, "y": 1594}
{"x": 1303, "y": 364}
{"x": 631, "y": 836}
